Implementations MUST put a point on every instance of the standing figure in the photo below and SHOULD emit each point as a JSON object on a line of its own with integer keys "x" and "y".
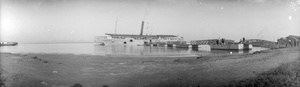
{"x": 223, "y": 40}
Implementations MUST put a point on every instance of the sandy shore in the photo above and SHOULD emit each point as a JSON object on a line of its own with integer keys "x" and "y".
{"x": 68, "y": 70}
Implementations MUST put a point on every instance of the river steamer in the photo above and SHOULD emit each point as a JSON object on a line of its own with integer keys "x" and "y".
{"x": 135, "y": 39}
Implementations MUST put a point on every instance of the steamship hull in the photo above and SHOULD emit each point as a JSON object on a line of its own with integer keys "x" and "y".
{"x": 133, "y": 42}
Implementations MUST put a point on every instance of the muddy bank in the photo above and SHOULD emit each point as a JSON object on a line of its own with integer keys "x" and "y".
{"x": 286, "y": 75}
{"x": 67, "y": 70}
{"x": 1, "y": 81}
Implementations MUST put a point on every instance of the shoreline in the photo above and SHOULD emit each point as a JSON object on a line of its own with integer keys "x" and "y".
{"x": 65, "y": 70}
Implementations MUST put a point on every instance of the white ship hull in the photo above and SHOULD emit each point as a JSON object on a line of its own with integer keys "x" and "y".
{"x": 106, "y": 40}
{"x": 127, "y": 41}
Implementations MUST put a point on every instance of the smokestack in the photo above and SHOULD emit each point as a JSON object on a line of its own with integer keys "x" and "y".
{"x": 142, "y": 27}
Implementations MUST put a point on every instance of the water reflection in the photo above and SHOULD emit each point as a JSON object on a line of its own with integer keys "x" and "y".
{"x": 230, "y": 51}
{"x": 90, "y": 48}
{"x": 148, "y": 50}
{"x": 140, "y": 50}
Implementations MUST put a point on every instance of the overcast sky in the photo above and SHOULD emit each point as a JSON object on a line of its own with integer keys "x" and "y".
{"x": 34, "y": 21}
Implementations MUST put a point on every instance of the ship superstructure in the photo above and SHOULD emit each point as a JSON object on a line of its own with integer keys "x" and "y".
{"x": 134, "y": 39}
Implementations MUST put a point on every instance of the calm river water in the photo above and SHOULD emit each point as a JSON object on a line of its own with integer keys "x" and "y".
{"x": 90, "y": 48}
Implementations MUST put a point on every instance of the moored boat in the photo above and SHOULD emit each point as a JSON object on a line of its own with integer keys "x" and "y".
{"x": 8, "y": 43}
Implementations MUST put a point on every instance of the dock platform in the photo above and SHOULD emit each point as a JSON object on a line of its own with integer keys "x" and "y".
{"x": 231, "y": 47}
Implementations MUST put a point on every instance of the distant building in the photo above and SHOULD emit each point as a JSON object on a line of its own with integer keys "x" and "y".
{"x": 289, "y": 41}
{"x": 262, "y": 43}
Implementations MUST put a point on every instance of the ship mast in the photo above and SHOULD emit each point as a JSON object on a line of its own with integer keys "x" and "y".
{"x": 116, "y": 25}
{"x": 147, "y": 28}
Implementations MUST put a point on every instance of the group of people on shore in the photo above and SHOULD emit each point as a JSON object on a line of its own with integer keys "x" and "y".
{"x": 220, "y": 41}
{"x": 223, "y": 41}
{"x": 242, "y": 40}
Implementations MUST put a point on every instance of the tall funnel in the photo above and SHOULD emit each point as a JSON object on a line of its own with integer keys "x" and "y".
{"x": 142, "y": 27}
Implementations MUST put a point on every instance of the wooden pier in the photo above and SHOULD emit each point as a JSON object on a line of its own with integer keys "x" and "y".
{"x": 231, "y": 47}
{"x": 212, "y": 47}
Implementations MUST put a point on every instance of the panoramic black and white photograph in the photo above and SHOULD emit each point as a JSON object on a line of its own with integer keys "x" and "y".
{"x": 150, "y": 43}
